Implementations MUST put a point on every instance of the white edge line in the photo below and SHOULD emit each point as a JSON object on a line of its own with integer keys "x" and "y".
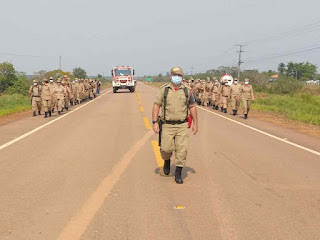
{"x": 257, "y": 130}
{"x": 46, "y": 124}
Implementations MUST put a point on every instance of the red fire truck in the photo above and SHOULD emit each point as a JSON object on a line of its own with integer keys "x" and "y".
{"x": 122, "y": 78}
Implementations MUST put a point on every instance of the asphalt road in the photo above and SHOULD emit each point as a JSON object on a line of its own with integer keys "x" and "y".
{"x": 95, "y": 173}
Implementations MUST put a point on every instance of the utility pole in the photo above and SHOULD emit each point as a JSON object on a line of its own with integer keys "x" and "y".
{"x": 59, "y": 65}
{"x": 240, "y": 62}
{"x": 192, "y": 70}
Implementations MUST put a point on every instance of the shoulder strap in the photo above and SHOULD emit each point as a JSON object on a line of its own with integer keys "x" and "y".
{"x": 187, "y": 100}
{"x": 165, "y": 97}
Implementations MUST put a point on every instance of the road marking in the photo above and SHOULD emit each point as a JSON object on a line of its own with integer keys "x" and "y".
{"x": 179, "y": 207}
{"x": 46, "y": 124}
{"x": 138, "y": 96}
{"x": 160, "y": 161}
{"x": 79, "y": 223}
{"x": 257, "y": 130}
{"x": 146, "y": 123}
{"x": 141, "y": 109}
{"x": 139, "y": 102}
{"x": 264, "y": 133}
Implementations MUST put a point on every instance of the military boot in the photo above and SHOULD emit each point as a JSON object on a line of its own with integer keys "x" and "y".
{"x": 49, "y": 113}
{"x": 45, "y": 114}
{"x": 166, "y": 167}
{"x": 234, "y": 112}
{"x": 217, "y": 107}
{"x": 67, "y": 108}
{"x": 178, "y": 177}
{"x": 245, "y": 116}
{"x": 39, "y": 112}
{"x": 59, "y": 113}
{"x": 34, "y": 114}
{"x": 225, "y": 110}
{"x": 221, "y": 109}
{"x": 213, "y": 107}
{"x": 52, "y": 110}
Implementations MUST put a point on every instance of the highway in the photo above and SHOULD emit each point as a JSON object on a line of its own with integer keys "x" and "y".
{"x": 95, "y": 173}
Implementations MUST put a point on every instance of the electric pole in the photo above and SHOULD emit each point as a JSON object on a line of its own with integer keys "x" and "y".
{"x": 240, "y": 62}
{"x": 59, "y": 65}
{"x": 192, "y": 70}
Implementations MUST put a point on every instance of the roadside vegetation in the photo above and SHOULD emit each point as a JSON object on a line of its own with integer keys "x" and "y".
{"x": 14, "y": 86}
{"x": 288, "y": 95}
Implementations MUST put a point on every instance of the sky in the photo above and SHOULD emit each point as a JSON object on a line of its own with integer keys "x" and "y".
{"x": 153, "y": 36}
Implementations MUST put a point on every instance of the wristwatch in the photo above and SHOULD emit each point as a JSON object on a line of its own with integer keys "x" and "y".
{"x": 153, "y": 122}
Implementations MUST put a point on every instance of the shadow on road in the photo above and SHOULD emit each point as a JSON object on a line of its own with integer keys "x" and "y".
{"x": 185, "y": 171}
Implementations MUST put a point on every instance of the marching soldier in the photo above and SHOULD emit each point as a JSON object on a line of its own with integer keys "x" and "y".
{"x": 201, "y": 92}
{"x": 208, "y": 92}
{"x": 52, "y": 85}
{"x": 35, "y": 93}
{"x": 67, "y": 97}
{"x": 246, "y": 93}
{"x": 175, "y": 101}
{"x": 59, "y": 93}
{"x": 215, "y": 94}
{"x": 46, "y": 97}
{"x": 197, "y": 91}
{"x": 235, "y": 92}
{"x": 81, "y": 90}
{"x": 225, "y": 96}
{"x": 76, "y": 92}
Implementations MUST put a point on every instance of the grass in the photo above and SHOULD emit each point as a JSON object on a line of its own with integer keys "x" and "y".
{"x": 13, "y": 103}
{"x": 300, "y": 107}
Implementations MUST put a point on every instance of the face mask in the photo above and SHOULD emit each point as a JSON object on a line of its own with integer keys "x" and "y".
{"x": 176, "y": 80}
{"x": 51, "y": 80}
{"x": 35, "y": 84}
{"x": 235, "y": 82}
{"x": 246, "y": 83}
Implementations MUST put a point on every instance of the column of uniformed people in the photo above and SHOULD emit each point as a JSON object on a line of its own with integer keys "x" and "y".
{"x": 219, "y": 95}
{"x": 60, "y": 95}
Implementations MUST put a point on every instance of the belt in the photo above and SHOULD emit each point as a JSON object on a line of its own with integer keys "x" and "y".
{"x": 174, "y": 122}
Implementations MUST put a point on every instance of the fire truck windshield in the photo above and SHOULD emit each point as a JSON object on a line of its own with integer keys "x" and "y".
{"x": 122, "y": 72}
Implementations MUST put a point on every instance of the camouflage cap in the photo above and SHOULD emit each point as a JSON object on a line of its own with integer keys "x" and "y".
{"x": 51, "y": 78}
{"x": 59, "y": 80}
{"x": 176, "y": 71}
{"x": 35, "y": 81}
{"x": 65, "y": 76}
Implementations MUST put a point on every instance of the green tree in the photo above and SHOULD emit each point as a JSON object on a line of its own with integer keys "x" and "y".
{"x": 303, "y": 71}
{"x": 79, "y": 73}
{"x": 7, "y": 76}
{"x": 55, "y": 74}
{"x": 99, "y": 76}
{"x": 282, "y": 68}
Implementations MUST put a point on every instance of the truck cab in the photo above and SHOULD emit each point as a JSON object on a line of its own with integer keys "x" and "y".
{"x": 122, "y": 78}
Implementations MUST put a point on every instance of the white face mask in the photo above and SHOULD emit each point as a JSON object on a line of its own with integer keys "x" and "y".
{"x": 235, "y": 82}
{"x": 51, "y": 80}
{"x": 35, "y": 84}
{"x": 246, "y": 83}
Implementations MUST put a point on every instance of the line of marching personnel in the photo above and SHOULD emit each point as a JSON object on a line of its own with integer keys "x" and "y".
{"x": 212, "y": 93}
{"x": 62, "y": 94}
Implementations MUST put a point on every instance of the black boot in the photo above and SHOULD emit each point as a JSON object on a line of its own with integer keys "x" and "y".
{"x": 59, "y": 113}
{"x": 217, "y": 107}
{"x": 245, "y": 116}
{"x": 166, "y": 167}
{"x": 52, "y": 110}
{"x": 213, "y": 107}
{"x": 178, "y": 178}
{"x": 34, "y": 114}
{"x": 45, "y": 114}
{"x": 234, "y": 112}
{"x": 39, "y": 112}
{"x": 225, "y": 110}
{"x": 221, "y": 109}
{"x": 67, "y": 108}
{"x": 71, "y": 103}
{"x": 49, "y": 113}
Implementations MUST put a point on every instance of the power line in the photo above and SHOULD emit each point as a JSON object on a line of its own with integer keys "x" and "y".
{"x": 304, "y": 29}
{"x": 26, "y": 55}
{"x": 287, "y": 53}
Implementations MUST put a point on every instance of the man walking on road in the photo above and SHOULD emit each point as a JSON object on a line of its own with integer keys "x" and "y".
{"x": 235, "y": 92}
{"x": 175, "y": 101}
{"x": 46, "y": 96}
{"x": 35, "y": 93}
{"x": 59, "y": 94}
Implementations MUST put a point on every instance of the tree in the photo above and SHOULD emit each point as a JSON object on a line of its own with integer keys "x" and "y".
{"x": 303, "y": 71}
{"x": 99, "y": 76}
{"x": 282, "y": 68}
{"x": 7, "y": 76}
{"x": 55, "y": 74}
{"x": 79, "y": 73}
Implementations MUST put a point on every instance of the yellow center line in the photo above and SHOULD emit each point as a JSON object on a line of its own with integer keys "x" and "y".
{"x": 156, "y": 150}
{"x": 138, "y": 96}
{"x": 146, "y": 123}
{"x": 141, "y": 109}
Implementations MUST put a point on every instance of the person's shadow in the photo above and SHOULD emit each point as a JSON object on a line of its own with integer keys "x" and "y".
{"x": 185, "y": 171}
